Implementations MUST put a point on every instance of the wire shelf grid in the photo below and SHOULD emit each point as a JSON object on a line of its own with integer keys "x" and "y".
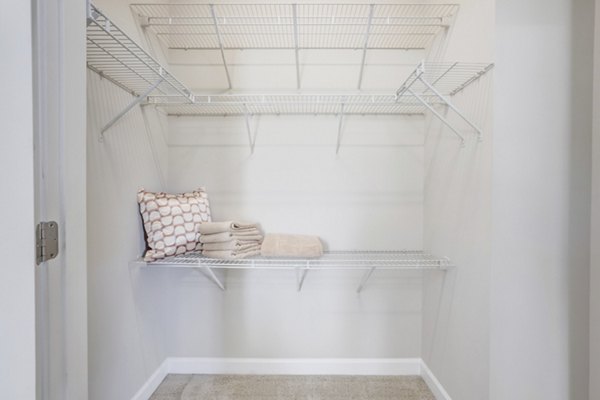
{"x": 337, "y": 260}
{"x": 115, "y": 56}
{"x": 447, "y": 78}
{"x": 296, "y": 26}
{"x": 290, "y": 104}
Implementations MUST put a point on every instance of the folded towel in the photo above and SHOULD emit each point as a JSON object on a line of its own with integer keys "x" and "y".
{"x": 238, "y": 245}
{"x": 228, "y": 236}
{"x": 232, "y": 254}
{"x": 285, "y": 245}
{"x": 207, "y": 228}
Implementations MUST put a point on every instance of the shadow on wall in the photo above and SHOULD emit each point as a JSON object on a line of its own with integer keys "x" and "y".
{"x": 458, "y": 225}
{"x": 126, "y": 341}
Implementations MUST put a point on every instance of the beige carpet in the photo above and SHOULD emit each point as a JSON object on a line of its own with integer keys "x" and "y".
{"x": 261, "y": 387}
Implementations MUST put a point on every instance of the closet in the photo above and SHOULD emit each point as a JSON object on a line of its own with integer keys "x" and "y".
{"x": 341, "y": 120}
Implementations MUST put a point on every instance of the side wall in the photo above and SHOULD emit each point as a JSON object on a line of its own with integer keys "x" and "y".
{"x": 458, "y": 225}
{"x": 126, "y": 308}
{"x": 541, "y": 203}
{"x": 457, "y": 222}
{"x": 125, "y": 346}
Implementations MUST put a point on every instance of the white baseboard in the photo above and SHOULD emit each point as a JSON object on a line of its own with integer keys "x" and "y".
{"x": 434, "y": 385}
{"x": 153, "y": 382}
{"x": 293, "y": 366}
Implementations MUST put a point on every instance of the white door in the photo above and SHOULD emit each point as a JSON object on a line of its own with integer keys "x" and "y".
{"x": 17, "y": 283}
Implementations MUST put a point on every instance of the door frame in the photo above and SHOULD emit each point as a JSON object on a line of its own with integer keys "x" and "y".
{"x": 59, "y": 96}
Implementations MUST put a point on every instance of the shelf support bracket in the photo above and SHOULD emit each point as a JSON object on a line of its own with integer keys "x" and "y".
{"x": 365, "y": 279}
{"x": 366, "y": 45}
{"x": 340, "y": 126}
{"x": 438, "y": 115}
{"x": 296, "y": 45}
{"x": 213, "y": 277}
{"x": 220, "y": 39}
{"x": 449, "y": 104}
{"x": 134, "y": 103}
{"x": 251, "y": 137}
{"x": 300, "y": 279}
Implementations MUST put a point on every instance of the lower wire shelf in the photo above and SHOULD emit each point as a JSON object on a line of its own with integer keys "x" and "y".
{"x": 369, "y": 261}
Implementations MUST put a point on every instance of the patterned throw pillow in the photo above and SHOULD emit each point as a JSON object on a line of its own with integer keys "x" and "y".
{"x": 172, "y": 221}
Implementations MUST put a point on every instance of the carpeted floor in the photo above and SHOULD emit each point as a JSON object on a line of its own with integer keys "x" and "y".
{"x": 261, "y": 387}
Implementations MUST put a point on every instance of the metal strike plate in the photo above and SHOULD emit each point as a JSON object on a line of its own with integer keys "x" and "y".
{"x": 46, "y": 245}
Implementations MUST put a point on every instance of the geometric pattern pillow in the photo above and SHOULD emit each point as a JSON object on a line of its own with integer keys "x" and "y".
{"x": 172, "y": 221}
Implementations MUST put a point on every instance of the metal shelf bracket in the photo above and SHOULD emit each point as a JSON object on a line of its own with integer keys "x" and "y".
{"x": 301, "y": 277}
{"x": 365, "y": 279}
{"x": 134, "y": 103}
{"x": 340, "y": 126}
{"x": 456, "y": 72}
{"x": 251, "y": 137}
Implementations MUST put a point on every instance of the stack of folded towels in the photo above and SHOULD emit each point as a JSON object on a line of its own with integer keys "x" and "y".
{"x": 230, "y": 240}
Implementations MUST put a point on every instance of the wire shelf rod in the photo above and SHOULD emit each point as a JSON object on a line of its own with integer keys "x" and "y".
{"x": 366, "y": 46}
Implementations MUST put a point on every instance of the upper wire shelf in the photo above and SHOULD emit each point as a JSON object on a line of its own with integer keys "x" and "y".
{"x": 368, "y": 261}
{"x": 296, "y": 26}
{"x": 115, "y": 56}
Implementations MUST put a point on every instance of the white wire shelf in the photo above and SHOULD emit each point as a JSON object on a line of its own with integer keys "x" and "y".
{"x": 447, "y": 78}
{"x": 442, "y": 81}
{"x": 368, "y": 261}
{"x": 116, "y": 57}
{"x": 296, "y": 26}
{"x": 291, "y": 104}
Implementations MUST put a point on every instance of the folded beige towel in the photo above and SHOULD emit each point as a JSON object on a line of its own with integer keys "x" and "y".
{"x": 207, "y": 228}
{"x": 239, "y": 245}
{"x": 253, "y": 234}
{"x": 285, "y": 245}
{"x": 232, "y": 254}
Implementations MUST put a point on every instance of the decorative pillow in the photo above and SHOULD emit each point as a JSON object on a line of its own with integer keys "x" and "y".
{"x": 172, "y": 221}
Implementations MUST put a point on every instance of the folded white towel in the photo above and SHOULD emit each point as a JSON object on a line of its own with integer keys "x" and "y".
{"x": 207, "y": 228}
{"x": 232, "y": 254}
{"x": 238, "y": 245}
{"x": 253, "y": 234}
{"x": 284, "y": 245}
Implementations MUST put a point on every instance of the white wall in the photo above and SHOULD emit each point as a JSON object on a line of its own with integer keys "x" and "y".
{"x": 457, "y": 222}
{"x": 458, "y": 225}
{"x": 367, "y": 197}
{"x": 126, "y": 308}
{"x": 541, "y": 203}
{"x": 17, "y": 279}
